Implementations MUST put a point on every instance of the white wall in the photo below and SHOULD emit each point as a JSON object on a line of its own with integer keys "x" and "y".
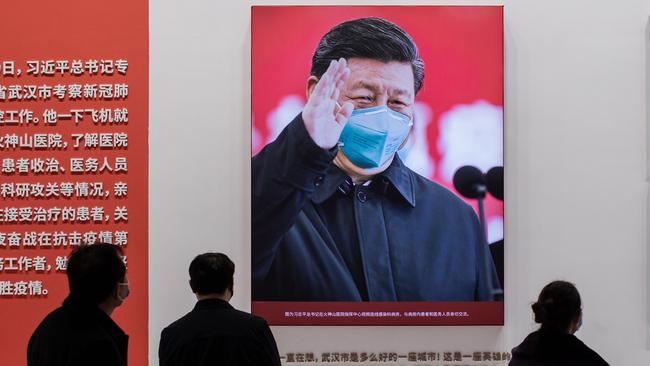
{"x": 576, "y": 157}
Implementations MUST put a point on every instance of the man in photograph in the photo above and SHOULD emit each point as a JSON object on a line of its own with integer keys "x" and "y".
{"x": 337, "y": 216}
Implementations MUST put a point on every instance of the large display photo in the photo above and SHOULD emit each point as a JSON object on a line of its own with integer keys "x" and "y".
{"x": 377, "y": 165}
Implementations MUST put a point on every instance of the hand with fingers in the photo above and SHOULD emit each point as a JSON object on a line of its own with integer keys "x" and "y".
{"x": 324, "y": 118}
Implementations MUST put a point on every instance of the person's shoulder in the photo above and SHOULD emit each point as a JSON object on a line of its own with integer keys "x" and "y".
{"x": 587, "y": 354}
{"x": 59, "y": 329}
{"x": 236, "y": 319}
{"x": 50, "y": 321}
{"x": 177, "y": 324}
{"x": 426, "y": 189}
{"x": 561, "y": 349}
{"x": 528, "y": 346}
{"x": 248, "y": 319}
{"x": 57, "y": 318}
{"x": 57, "y": 314}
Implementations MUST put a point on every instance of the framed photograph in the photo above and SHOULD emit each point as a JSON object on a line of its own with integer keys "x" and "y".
{"x": 361, "y": 118}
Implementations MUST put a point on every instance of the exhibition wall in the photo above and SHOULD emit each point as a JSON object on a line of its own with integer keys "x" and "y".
{"x": 73, "y": 147}
{"x": 576, "y": 156}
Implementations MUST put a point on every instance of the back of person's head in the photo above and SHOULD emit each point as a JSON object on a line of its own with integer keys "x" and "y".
{"x": 94, "y": 271}
{"x": 558, "y": 306}
{"x": 211, "y": 273}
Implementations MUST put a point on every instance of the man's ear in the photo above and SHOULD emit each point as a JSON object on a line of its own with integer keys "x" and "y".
{"x": 192, "y": 286}
{"x": 311, "y": 84}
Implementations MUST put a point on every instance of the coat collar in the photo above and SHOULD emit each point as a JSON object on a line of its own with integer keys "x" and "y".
{"x": 397, "y": 175}
{"x": 212, "y": 304}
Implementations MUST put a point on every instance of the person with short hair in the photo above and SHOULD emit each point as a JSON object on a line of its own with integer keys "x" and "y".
{"x": 559, "y": 311}
{"x": 81, "y": 331}
{"x": 215, "y": 333}
{"x": 336, "y": 213}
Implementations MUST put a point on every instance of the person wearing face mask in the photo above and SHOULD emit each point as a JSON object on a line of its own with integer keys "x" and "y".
{"x": 336, "y": 215}
{"x": 81, "y": 331}
{"x": 559, "y": 311}
{"x": 215, "y": 333}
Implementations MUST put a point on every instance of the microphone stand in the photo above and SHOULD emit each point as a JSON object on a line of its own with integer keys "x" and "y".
{"x": 496, "y": 292}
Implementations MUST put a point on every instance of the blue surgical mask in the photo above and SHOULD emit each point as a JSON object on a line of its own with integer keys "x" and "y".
{"x": 373, "y": 135}
{"x": 126, "y": 292}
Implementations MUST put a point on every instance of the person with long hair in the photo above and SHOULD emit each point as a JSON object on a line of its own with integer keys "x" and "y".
{"x": 559, "y": 311}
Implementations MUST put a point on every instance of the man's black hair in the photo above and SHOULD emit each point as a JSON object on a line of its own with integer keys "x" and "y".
{"x": 558, "y": 305}
{"x": 371, "y": 38}
{"x": 94, "y": 271}
{"x": 211, "y": 273}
